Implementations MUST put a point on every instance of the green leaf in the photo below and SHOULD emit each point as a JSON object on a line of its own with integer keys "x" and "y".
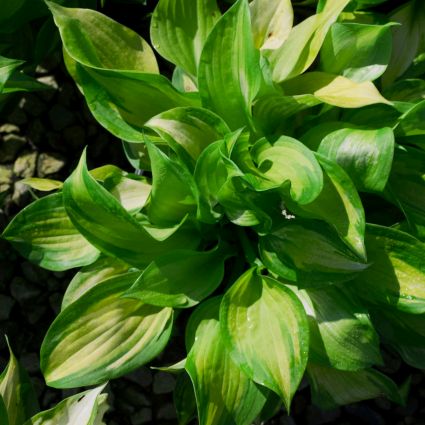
{"x": 411, "y": 123}
{"x": 94, "y": 40}
{"x": 179, "y": 29}
{"x": 366, "y": 155}
{"x": 287, "y": 164}
{"x": 19, "y": 401}
{"x": 189, "y": 130}
{"x": 92, "y": 275}
{"x": 303, "y": 44}
{"x": 331, "y": 388}
{"x": 224, "y": 393}
{"x": 310, "y": 253}
{"x": 271, "y": 22}
{"x": 43, "y": 233}
{"x": 173, "y": 189}
{"x": 334, "y": 90}
{"x": 229, "y": 69}
{"x": 184, "y": 399}
{"x": 357, "y": 51}
{"x": 102, "y": 336}
{"x": 251, "y": 319}
{"x": 410, "y": 90}
{"x": 178, "y": 279}
{"x": 396, "y": 275}
{"x": 7, "y": 68}
{"x": 3, "y": 412}
{"x": 44, "y": 185}
{"x": 86, "y": 408}
{"x": 94, "y": 211}
{"x": 339, "y": 205}
{"x": 341, "y": 333}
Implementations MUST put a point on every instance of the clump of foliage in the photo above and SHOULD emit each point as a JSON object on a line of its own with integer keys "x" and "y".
{"x": 260, "y": 156}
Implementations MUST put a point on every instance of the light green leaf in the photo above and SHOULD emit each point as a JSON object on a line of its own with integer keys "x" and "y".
{"x": 339, "y": 205}
{"x": 189, "y": 130}
{"x": 179, "y": 29}
{"x": 357, "y": 51}
{"x": 407, "y": 38}
{"x": 44, "y": 185}
{"x": 271, "y": 22}
{"x": 229, "y": 69}
{"x": 182, "y": 82}
{"x": 16, "y": 392}
{"x": 335, "y": 90}
{"x": 175, "y": 368}
{"x": 92, "y": 275}
{"x": 102, "y": 336}
{"x": 288, "y": 164}
{"x": 224, "y": 393}
{"x": 341, "y": 333}
{"x": 173, "y": 189}
{"x": 94, "y": 40}
{"x": 178, "y": 279}
{"x": 302, "y": 46}
{"x": 251, "y": 319}
{"x": 366, "y": 155}
{"x": 396, "y": 276}
{"x": 94, "y": 211}
{"x": 310, "y": 253}
{"x": 83, "y": 409}
{"x": 331, "y": 388}
{"x": 43, "y": 233}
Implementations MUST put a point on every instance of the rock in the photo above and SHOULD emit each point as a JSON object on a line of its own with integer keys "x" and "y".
{"x": 30, "y": 362}
{"x": 22, "y": 290}
{"x": 143, "y": 416}
{"x": 74, "y": 137}
{"x": 287, "y": 420}
{"x": 36, "y": 311}
{"x": 167, "y": 411}
{"x": 6, "y": 177}
{"x": 6, "y": 304}
{"x": 33, "y": 105}
{"x": 141, "y": 376}
{"x": 135, "y": 396}
{"x": 365, "y": 414}
{"x": 36, "y": 131}
{"x": 10, "y": 147}
{"x": 315, "y": 416}
{"x": 18, "y": 117}
{"x": 33, "y": 273}
{"x": 21, "y": 194}
{"x": 61, "y": 117}
{"x": 163, "y": 383}
{"x": 55, "y": 301}
{"x": 49, "y": 164}
{"x": 49, "y": 80}
{"x": 9, "y": 128}
{"x": 25, "y": 164}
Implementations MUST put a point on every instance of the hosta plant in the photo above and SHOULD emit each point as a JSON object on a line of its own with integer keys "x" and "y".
{"x": 255, "y": 161}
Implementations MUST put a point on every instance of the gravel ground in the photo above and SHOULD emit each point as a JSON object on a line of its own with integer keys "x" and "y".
{"x": 43, "y": 135}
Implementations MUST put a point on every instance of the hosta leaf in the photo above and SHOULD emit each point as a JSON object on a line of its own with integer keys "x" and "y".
{"x": 182, "y": 82}
{"x": 302, "y": 46}
{"x": 102, "y": 336}
{"x": 339, "y": 205}
{"x": 396, "y": 276}
{"x": 189, "y": 129}
{"x": 3, "y": 412}
{"x": 92, "y": 275}
{"x": 225, "y": 395}
{"x": 94, "y": 40}
{"x": 331, "y": 387}
{"x": 258, "y": 312}
{"x": 43, "y": 233}
{"x": 229, "y": 70}
{"x": 179, "y": 29}
{"x": 85, "y": 408}
{"x": 44, "y": 185}
{"x": 341, "y": 333}
{"x": 184, "y": 399}
{"x": 7, "y": 68}
{"x": 411, "y": 123}
{"x": 310, "y": 253}
{"x": 94, "y": 212}
{"x": 335, "y": 90}
{"x": 357, "y": 51}
{"x": 16, "y": 393}
{"x": 271, "y": 22}
{"x": 410, "y": 90}
{"x": 178, "y": 279}
{"x": 366, "y": 155}
{"x": 173, "y": 189}
{"x": 288, "y": 164}
{"x": 407, "y": 38}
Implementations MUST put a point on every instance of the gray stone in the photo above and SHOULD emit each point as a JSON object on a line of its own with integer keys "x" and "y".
{"x": 143, "y": 416}
{"x": 12, "y": 144}
{"x": 25, "y": 164}
{"x": 18, "y": 117}
{"x": 49, "y": 80}
{"x": 135, "y": 396}
{"x": 21, "y": 194}
{"x": 163, "y": 383}
{"x": 35, "y": 311}
{"x": 9, "y": 128}
{"x": 61, "y": 117}
{"x": 49, "y": 164}
{"x": 286, "y": 420}
{"x": 55, "y": 301}
{"x": 6, "y": 177}
{"x": 167, "y": 411}
{"x": 33, "y": 273}
{"x": 74, "y": 136}
{"x": 36, "y": 131}
{"x": 141, "y": 376}
{"x": 6, "y": 304}
{"x": 30, "y": 362}
{"x": 22, "y": 290}
{"x": 33, "y": 105}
